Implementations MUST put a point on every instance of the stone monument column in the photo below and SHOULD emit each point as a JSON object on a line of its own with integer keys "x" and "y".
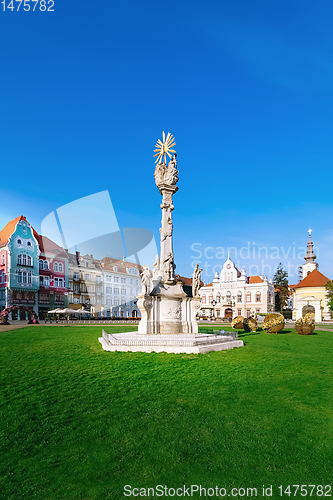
{"x": 169, "y": 308}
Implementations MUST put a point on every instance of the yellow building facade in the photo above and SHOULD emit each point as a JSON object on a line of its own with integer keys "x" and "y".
{"x": 310, "y": 295}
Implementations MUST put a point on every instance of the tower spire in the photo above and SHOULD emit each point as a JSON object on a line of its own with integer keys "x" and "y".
{"x": 309, "y": 258}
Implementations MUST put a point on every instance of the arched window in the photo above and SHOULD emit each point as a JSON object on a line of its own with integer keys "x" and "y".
{"x": 203, "y": 300}
{"x": 258, "y": 297}
{"x": 28, "y": 243}
{"x": 239, "y": 297}
{"x": 248, "y": 297}
{"x": 19, "y": 260}
{"x": 55, "y": 266}
{"x": 228, "y": 296}
{"x": 218, "y": 297}
{"x": 46, "y": 264}
{"x": 269, "y": 297}
{"x": 41, "y": 263}
{"x": 211, "y": 297}
{"x": 3, "y": 258}
{"x": 61, "y": 267}
{"x": 29, "y": 260}
{"x": 19, "y": 242}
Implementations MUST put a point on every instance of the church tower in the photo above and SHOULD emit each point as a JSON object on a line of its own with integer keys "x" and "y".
{"x": 310, "y": 258}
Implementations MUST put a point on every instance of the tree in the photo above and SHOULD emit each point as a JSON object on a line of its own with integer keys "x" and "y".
{"x": 280, "y": 280}
{"x": 329, "y": 288}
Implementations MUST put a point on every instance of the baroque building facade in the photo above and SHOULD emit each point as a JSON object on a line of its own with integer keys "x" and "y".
{"x": 33, "y": 269}
{"x": 233, "y": 293}
{"x": 38, "y": 273}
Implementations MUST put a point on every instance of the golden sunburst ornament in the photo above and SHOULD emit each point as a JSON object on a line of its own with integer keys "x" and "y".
{"x": 164, "y": 148}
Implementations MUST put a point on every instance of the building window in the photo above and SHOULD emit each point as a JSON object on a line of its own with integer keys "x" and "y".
{"x": 123, "y": 300}
{"x": 203, "y": 300}
{"x": 76, "y": 301}
{"x": 28, "y": 243}
{"x": 108, "y": 302}
{"x": 87, "y": 264}
{"x": 3, "y": 258}
{"x": 123, "y": 291}
{"x": 115, "y": 268}
{"x": 76, "y": 277}
{"x": 76, "y": 288}
{"x": 269, "y": 298}
{"x": 40, "y": 264}
{"x": 257, "y": 310}
{"x": 248, "y": 313}
{"x": 87, "y": 277}
{"x": 218, "y": 298}
{"x": 24, "y": 260}
{"x": 116, "y": 302}
{"x": 123, "y": 280}
{"x": 239, "y": 297}
{"x": 228, "y": 296}
{"x": 116, "y": 290}
{"x": 58, "y": 282}
{"x": 116, "y": 279}
{"x": 46, "y": 264}
{"x": 248, "y": 297}
{"x": 239, "y": 312}
{"x": 108, "y": 289}
{"x": 60, "y": 267}
{"x": 98, "y": 279}
{"x": 258, "y": 297}
{"x": 55, "y": 266}
{"x": 19, "y": 242}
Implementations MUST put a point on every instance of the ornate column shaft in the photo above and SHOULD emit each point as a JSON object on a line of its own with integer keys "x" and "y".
{"x": 167, "y": 256}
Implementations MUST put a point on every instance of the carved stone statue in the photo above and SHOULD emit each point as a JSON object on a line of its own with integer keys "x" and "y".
{"x": 166, "y": 175}
{"x": 169, "y": 268}
{"x": 145, "y": 279}
{"x": 169, "y": 229}
{"x": 196, "y": 280}
{"x": 156, "y": 268}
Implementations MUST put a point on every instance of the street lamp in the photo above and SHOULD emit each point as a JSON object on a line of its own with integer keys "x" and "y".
{"x": 213, "y": 303}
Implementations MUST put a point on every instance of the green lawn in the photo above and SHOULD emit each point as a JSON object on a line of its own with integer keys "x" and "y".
{"x": 80, "y": 423}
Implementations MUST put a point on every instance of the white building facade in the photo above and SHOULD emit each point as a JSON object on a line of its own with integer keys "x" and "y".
{"x": 122, "y": 285}
{"x": 233, "y": 293}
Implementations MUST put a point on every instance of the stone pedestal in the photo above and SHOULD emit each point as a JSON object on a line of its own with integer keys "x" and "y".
{"x": 168, "y": 310}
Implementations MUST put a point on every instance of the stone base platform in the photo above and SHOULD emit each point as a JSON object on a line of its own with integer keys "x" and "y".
{"x": 181, "y": 343}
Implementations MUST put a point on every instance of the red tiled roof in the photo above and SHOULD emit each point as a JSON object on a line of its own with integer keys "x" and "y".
{"x": 116, "y": 262}
{"x": 186, "y": 281}
{"x": 209, "y": 284}
{"x": 315, "y": 278}
{"x": 255, "y": 279}
{"x": 48, "y": 246}
{"x": 8, "y": 230}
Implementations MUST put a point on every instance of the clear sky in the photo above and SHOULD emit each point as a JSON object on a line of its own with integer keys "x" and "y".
{"x": 245, "y": 87}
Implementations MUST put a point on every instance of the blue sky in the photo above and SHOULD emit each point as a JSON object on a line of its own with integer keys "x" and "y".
{"x": 245, "y": 87}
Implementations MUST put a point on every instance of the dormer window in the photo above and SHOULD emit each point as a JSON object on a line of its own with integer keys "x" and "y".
{"x": 19, "y": 242}
{"x": 29, "y": 244}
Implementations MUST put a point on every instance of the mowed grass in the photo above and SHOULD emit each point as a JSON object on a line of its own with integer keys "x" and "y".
{"x": 80, "y": 423}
